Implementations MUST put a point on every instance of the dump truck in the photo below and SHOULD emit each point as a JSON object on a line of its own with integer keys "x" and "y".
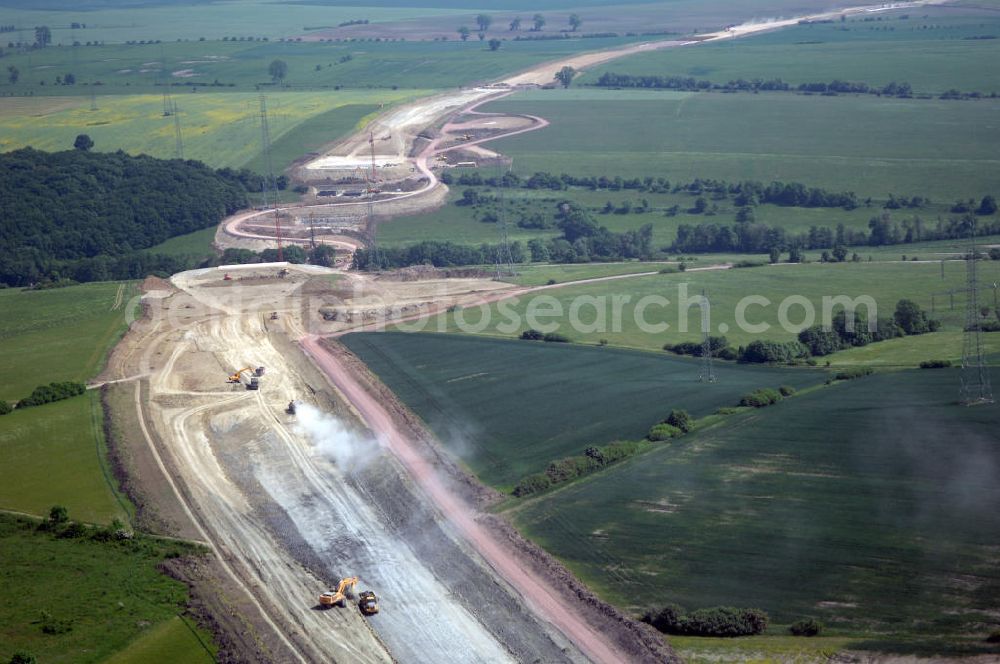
{"x": 254, "y": 383}
{"x": 345, "y": 589}
{"x": 259, "y": 371}
{"x": 368, "y": 603}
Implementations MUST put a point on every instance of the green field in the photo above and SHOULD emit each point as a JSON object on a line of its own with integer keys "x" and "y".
{"x": 171, "y": 641}
{"x": 111, "y": 595}
{"x": 466, "y": 389}
{"x": 197, "y": 244}
{"x": 56, "y": 455}
{"x": 935, "y": 58}
{"x": 873, "y": 146}
{"x": 876, "y": 520}
{"x": 886, "y": 283}
{"x": 461, "y": 224}
{"x": 218, "y": 129}
{"x": 59, "y": 334}
{"x": 171, "y": 21}
{"x": 242, "y": 66}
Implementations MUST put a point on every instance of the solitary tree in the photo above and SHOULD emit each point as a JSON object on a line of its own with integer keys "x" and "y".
{"x": 575, "y": 21}
{"x": 13, "y": 73}
{"x": 83, "y": 143}
{"x": 565, "y": 76}
{"x": 484, "y": 21}
{"x": 482, "y": 36}
{"x": 23, "y": 657}
{"x": 515, "y": 25}
{"x": 495, "y": 44}
{"x": 987, "y": 206}
{"x": 278, "y": 69}
{"x": 539, "y": 22}
{"x": 464, "y": 33}
{"x": 69, "y": 79}
{"x": 43, "y": 36}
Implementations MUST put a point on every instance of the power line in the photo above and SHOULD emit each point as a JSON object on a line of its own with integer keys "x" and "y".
{"x": 707, "y": 366}
{"x": 178, "y": 137}
{"x": 976, "y": 388}
{"x": 504, "y": 258}
{"x": 269, "y": 186}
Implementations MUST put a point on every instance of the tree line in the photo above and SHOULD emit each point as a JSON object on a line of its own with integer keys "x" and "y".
{"x": 901, "y": 90}
{"x": 743, "y": 194}
{"x": 91, "y": 214}
{"x": 908, "y": 319}
{"x": 883, "y": 230}
{"x": 583, "y": 240}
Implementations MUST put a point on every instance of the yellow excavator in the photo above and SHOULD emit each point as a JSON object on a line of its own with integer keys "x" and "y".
{"x": 344, "y": 589}
{"x": 235, "y": 378}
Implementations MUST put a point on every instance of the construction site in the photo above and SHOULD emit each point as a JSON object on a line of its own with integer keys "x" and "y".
{"x": 326, "y": 502}
{"x": 347, "y": 531}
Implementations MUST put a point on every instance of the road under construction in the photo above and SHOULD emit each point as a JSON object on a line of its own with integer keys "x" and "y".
{"x": 320, "y": 475}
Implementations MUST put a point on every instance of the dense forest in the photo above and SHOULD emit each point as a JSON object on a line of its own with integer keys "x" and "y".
{"x": 86, "y": 215}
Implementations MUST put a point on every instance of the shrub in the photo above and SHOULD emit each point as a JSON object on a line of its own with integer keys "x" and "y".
{"x": 854, "y": 372}
{"x": 23, "y": 657}
{"x": 532, "y": 335}
{"x": 729, "y": 353}
{"x": 58, "y": 515}
{"x": 570, "y": 468}
{"x": 555, "y": 337}
{"x": 619, "y": 450}
{"x": 935, "y": 364}
{"x": 532, "y": 484}
{"x": 5, "y": 408}
{"x": 663, "y": 431}
{"x": 52, "y": 625}
{"x": 994, "y": 637}
{"x": 786, "y": 390}
{"x": 773, "y": 351}
{"x": 761, "y": 397}
{"x": 667, "y": 620}
{"x": 52, "y": 392}
{"x": 680, "y": 419}
{"x": 806, "y": 627}
{"x": 716, "y": 621}
{"x": 725, "y": 621}
{"x": 727, "y": 410}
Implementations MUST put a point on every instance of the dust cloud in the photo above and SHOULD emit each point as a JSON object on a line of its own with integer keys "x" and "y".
{"x": 330, "y": 438}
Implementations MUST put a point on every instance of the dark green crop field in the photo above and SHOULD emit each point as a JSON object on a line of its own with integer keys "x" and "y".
{"x": 873, "y": 146}
{"x": 508, "y": 408}
{"x": 871, "y": 505}
{"x": 933, "y": 49}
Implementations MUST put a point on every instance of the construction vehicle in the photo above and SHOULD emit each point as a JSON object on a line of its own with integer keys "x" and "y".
{"x": 254, "y": 383}
{"x": 368, "y": 603}
{"x": 292, "y": 407}
{"x": 259, "y": 371}
{"x": 344, "y": 591}
{"x": 235, "y": 378}
{"x": 227, "y": 277}
{"x": 283, "y": 272}
{"x": 274, "y": 315}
